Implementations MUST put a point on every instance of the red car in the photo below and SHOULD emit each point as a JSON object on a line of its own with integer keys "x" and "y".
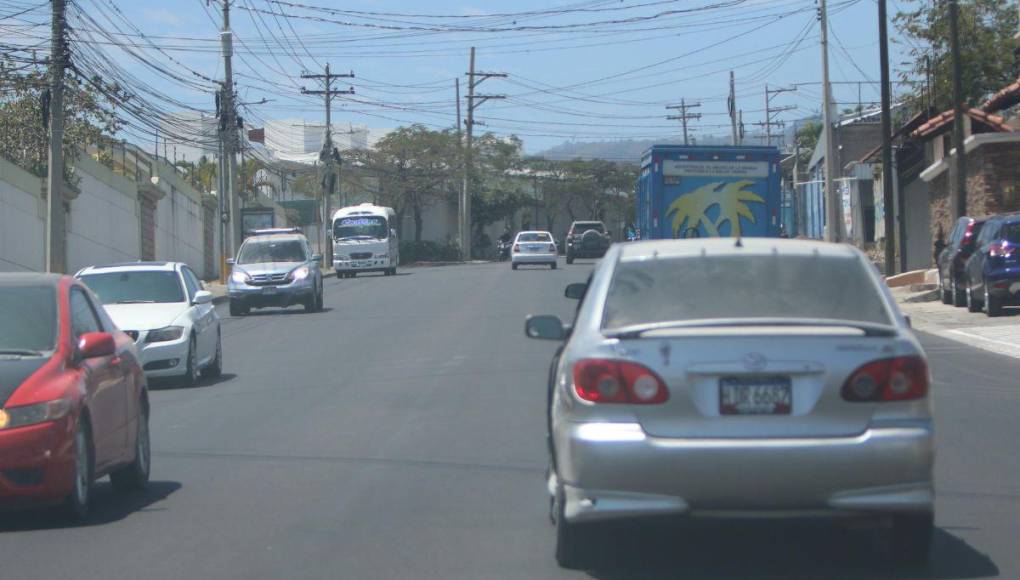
{"x": 74, "y": 403}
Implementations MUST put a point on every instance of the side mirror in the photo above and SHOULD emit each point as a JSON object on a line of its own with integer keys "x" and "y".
{"x": 545, "y": 327}
{"x": 576, "y": 291}
{"x": 393, "y": 233}
{"x": 96, "y": 344}
{"x": 231, "y": 261}
{"x": 203, "y": 297}
{"x": 316, "y": 257}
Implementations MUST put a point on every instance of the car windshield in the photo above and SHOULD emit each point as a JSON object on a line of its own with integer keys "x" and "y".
{"x": 137, "y": 287}
{"x": 29, "y": 315}
{"x": 581, "y": 228}
{"x": 262, "y": 251}
{"x": 755, "y": 286}
{"x": 534, "y": 237}
{"x": 360, "y": 227}
{"x": 1011, "y": 233}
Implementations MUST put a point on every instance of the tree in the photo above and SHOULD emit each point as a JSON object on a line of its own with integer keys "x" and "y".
{"x": 88, "y": 117}
{"x": 986, "y": 38}
{"x": 416, "y": 166}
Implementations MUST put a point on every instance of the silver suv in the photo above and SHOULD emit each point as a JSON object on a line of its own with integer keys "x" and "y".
{"x": 275, "y": 268}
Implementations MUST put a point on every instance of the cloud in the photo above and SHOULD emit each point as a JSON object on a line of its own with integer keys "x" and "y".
{"x": 163, "y": 16}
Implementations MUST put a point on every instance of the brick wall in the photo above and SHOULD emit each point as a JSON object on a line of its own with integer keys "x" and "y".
{"x": 993, "y": 185}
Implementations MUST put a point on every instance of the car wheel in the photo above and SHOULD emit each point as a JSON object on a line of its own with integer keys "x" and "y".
{"x": 959, "y": 297}
{"x": 237, "y": 308}
{"x": 947, "y": 296}
{"x": 993, "y": 305}
{"x": 513, "y": 266}
{"x": 572, "y": 540}
{"x": 393, "y": 271}
{"x": 911, "y": 538}
{"x": 553, "y": 265}
{"x": 309, "y": 303}
{"x": 973, "y": 305}
{"x": 570, "y": 259}
{"x": 339, "y": 275}
{"x": 190, "y": 378}
{"x": 78, "y": 501}
{"x": 215, "y": 368}
{"x": 135, "y": 475}
{"x": 320, "y": 302}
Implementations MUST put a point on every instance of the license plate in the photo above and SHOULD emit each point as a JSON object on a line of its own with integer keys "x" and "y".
{"x": 755, "y": 396}
{"x": 534, "y": 248}
{"x": 269, "y": 290}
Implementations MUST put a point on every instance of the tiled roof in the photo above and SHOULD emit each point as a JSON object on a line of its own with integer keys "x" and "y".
{"x": 945, "y": 119}
{"x": 1004, "y": 99}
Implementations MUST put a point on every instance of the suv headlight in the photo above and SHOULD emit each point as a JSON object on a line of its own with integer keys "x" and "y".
{"x": 300, "y": 273}
{"x": 165, "y": 334}
{"x": 240, "y": 277}
{"x": 33, "y": 414}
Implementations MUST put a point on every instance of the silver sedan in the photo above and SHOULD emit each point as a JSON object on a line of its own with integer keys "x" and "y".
{"x": 723, "y": 377}
{"x": 534, "y": 248}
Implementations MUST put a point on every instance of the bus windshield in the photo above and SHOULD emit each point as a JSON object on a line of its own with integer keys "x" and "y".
{"x": 360, "y": 227}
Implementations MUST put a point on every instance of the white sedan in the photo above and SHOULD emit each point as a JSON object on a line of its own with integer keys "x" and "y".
{"x": 534, "y": 248}
{"x": 163, "y": 307}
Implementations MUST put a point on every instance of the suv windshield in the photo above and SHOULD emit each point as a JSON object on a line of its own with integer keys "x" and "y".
{"x": 584, "y": 227}
{"x": 535, "y": 237}
{"x": 360, "y": 227}
{"x": 261, "y": 251}
{"x": 138, "y": 287}
{"x": 29, "y": 315}
{"x": 795, "y": 287}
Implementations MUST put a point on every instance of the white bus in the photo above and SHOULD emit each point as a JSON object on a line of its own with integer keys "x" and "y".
{"x": 365, "y": 240}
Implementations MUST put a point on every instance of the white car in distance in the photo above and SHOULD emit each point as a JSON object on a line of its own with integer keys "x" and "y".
{"x": 164, "y": 308}
{"x": 535, "y": 247}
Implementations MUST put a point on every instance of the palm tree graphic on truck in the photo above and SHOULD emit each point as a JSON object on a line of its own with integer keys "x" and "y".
{"x": 690, "y": 212}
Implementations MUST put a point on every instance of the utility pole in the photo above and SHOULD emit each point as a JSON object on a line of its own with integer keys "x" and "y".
{"x": 456, "y": 89}
{"x": 326, "y": 156}
{"x": 887, "y": 152}
{"x": 833, "y": 203}
{"x": 771, "y": 112}
{"x": 228, "y": 133}
{"x": 684, "y": 116}
{"x": 473, "y": 102}
{"x": 731, "y": 104}
{"x": 960, "y": 199}
{"x": 740, "y": 127}
{"x": 55, "y": 238}
{"x": 221, "y": 189}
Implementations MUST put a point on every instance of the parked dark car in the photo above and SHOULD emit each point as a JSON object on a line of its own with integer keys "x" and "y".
{"x": 953, "y": 258}
{"x": 587, "y": 239}
{"x": 993, "y": 271}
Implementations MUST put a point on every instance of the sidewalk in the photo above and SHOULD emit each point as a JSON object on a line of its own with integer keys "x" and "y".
{"x": 928, "y": 314}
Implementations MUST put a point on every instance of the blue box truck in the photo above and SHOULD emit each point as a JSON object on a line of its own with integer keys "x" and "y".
{"x": 709, "y": 191}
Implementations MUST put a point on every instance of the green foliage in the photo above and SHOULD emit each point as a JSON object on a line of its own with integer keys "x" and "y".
{"x": 427, "y": 251}
{"x": 986, "y": 47}
{"x": 24, "y": 137}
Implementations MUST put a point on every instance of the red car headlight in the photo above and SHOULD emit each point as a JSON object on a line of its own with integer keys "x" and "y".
{"x": 15, "y": 417}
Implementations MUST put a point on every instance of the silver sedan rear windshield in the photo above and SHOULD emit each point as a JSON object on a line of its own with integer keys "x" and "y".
{"x": 738, "y": 287}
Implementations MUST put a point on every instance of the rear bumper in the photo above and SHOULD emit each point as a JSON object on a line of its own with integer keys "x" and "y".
{"x": 522, "y": 258}
{"x": 36, "y": 463}
{"x": 1005, "y": 284}
{"x": 580, "y": 252}
{"x": 615, "y": 471}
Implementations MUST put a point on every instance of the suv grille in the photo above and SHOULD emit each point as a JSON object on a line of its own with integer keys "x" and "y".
{"x": 269, "y": 279}
{"x": 361, "y": 255}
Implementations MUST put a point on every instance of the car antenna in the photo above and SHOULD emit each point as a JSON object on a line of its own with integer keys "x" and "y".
{"x": 739, "y": 243}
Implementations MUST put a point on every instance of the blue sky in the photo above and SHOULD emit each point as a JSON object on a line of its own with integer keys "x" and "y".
{"x": 563, "y": 84}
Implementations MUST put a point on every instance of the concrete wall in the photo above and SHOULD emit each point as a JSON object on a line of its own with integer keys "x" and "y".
{"x": 106, "y": 220}
{"x": 102, "y": 225}
{"x": 22, "y": 215}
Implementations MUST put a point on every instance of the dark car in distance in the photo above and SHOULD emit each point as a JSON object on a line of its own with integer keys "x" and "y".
{"x": 74, "y": 402}
{"x": 953, "y": 258}
{"x": 587, "y": 239}
{"x": 993, "y": 270}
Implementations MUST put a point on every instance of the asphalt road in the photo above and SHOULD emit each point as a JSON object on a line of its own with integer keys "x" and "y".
{"x": 399, "y": 434}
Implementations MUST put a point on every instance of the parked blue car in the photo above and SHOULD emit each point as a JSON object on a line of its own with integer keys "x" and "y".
{"x": 993, "y": 271}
